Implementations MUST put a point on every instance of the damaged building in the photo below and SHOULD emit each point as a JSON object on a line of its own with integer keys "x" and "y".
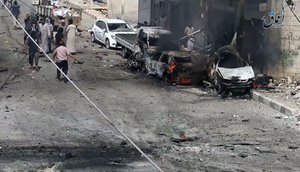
{"x": 273, "y": 51}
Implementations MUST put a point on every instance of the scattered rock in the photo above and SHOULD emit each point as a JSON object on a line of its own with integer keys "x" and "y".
{"x": 6, "y": 107}
{"x": 278, "y": 117}
{"x": 298, "y": 117}
{"x": 264, "y": 150}
{"x": 69, "y": 155}
{"x": 123, "y": 143}
{"x": 243, "y": 155}
{"x": 3, "y": 70}
{"x": 58, "y": 167}
{"x": 293, "y": 147}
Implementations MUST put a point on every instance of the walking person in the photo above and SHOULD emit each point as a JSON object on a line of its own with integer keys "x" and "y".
{"x": 45, "y": 34}
{"x": 4, "y": 3}
{"x": 28, "y": 26}
{"x": 8, "y": 4}
{"x": 15, "y": 10}
{"x": 61, "y": 56}
{"x": 50, "y": 27}
{"x": 33, "y": 50}
{"x": 71, "y": 37}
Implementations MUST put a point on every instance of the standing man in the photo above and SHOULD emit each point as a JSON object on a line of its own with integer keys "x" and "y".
{"x": 61, "y": 56}
{"x": 71, "y": 37}
{"x": 45, "y": 34}
{"x": 28, "y": 26}
{"x": 50, "y": 27}
{"x": 33, "y": 50}
{"x": 190, "y": 38}
{"x": 15, "y": 10}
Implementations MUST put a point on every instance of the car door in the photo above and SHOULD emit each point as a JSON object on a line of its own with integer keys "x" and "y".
{"x": 97, "y": 30}
{"x": 103, "y": 31}
{"x": 161, "y": 65}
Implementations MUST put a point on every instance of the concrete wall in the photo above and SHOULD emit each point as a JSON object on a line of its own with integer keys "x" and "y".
{"x": 144, "y": 11}
{"x": 130, "y": 13}
{"x": 290, "y": 42}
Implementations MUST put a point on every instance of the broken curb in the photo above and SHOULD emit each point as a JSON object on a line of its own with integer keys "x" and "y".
{"x": 272, "y": 103}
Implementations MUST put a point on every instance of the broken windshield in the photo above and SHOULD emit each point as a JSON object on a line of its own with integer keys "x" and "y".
{"x": 230, "y": 60}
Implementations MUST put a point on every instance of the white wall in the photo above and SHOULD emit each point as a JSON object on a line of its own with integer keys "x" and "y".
{"x": 130, "y": 10}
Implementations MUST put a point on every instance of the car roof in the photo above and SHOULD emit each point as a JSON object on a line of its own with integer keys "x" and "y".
{"x": 112, "y": 20}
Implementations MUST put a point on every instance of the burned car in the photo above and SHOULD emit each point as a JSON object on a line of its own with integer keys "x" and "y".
{"x": 171, "y": 66}
{"x": 229, "y": 72}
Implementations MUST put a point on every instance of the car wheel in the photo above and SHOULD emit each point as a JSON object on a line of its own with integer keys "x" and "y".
{"x": 130, "y": 62}
{"x": 124, "y": 53}
{"x": 107, "y": 44}
{"x": 93, "y": 39}
{"x": 218, "y": 84}
{"x": 166, "y": 78}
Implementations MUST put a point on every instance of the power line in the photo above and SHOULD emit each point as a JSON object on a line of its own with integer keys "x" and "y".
{"x": 88, "y": 99}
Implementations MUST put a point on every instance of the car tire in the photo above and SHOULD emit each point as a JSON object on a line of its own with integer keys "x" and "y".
{"x": 220, "y": 88}
{"x": 167, "y": 78}
{"x": 124, "y": 53}
{"x": 93, "y": 39}
{"x": 107, "y": 44}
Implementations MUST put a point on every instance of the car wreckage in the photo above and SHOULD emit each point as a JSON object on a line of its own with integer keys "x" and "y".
{"x": 171, "y": 66}
{"x": 229, "y": 72}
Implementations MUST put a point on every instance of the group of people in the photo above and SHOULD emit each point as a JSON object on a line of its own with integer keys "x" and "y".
{"x": 14, "y": 8}
{"x": 42, "y": 36}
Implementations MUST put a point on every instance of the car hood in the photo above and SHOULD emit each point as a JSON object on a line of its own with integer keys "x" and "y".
{"x": 242, "y": 73}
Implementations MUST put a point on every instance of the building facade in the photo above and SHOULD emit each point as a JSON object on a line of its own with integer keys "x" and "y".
{"x": 127, "y": 10}
{"x": 290, "y": 41}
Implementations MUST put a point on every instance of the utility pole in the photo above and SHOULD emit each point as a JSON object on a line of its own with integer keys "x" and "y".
{"x": 122, "y": 9}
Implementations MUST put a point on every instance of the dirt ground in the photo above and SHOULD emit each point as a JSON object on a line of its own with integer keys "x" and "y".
{"x": 48, "y": 125}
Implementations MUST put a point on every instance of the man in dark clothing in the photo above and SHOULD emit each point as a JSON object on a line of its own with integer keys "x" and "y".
{"x": 28, "y": 26}
{"x": 33, "y": 49}
{"x": 4, "y": 2}
{"x": 59, "y": 36}
{"x": 15, "y": 10}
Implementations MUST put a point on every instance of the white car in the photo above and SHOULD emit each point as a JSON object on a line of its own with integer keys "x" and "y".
{"x": 35, "y": 2}
{"x": 105, "y": 30}
{"x": 54, "y": 2}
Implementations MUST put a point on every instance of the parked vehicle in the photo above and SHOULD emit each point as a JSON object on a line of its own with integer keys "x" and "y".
{"x": 229, "y": 72}
{"x": 58, "y": 13}
{"x": 35, "y": 2}
{"x": 146, "y": 38}
{"x": 105, "y": 30}
{"x": 54, "y": 2}
{"x": 145, "y": 43}
{"x": 171, "y": 66}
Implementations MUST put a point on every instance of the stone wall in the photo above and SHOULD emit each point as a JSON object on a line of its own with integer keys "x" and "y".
{"x": 290, "y": 42}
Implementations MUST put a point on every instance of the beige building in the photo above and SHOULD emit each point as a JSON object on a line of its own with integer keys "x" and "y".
{"x": 290, "y": 41}
{"x": 124, "y": 9}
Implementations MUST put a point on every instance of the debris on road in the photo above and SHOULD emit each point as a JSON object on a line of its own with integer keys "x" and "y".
{"x": 3, "y": 70}
{"x": 293, "y": 147}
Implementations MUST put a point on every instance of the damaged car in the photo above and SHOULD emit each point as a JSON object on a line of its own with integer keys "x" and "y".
{"x": 171, "y": 66}
{"x": 229, "y": 72}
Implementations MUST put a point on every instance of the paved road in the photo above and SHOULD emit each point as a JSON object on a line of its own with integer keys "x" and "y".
{"x": 46, "y": 122}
